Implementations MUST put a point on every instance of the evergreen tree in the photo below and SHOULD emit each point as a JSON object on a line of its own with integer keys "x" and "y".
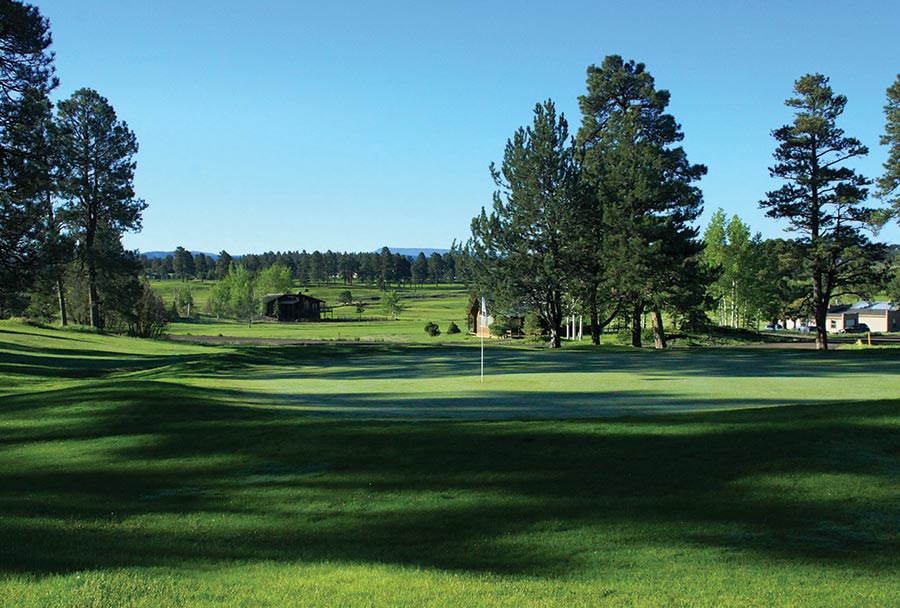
{"x": 183, "y": 263}
{"x": 419, "y": 269}
{"x": 223, "y": 264}
{"x": 402, "y": 268}
{"x": 26, "y": 78}
{"x": 316, "y": 267}
{"x": 889, "y": 183}
{"x": 95, "y": 155}
{"x": 823, "y": 198}
{"x": 201, "y": 265}
{"x": 524, "y": 247}
{"x": 385, "y": 268}
{"x": 784, "y": 290}
{"x": 348, "y": 266}
{"x": 639, "y": 227}
{"x": 435, "y": 267}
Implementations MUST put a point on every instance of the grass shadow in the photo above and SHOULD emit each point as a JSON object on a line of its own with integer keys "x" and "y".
{"x": 149, "y": 473}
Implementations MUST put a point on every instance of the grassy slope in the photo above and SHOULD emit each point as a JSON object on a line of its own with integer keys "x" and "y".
{"x": 440, "y": 304}
{"x": 135, "y": 474}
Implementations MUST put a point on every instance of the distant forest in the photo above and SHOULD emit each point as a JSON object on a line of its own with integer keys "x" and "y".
{"x": 383, "y": 269}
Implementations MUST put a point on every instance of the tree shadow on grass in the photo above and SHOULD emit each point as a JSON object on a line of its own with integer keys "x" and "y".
{"x": 372, "y": 362}
{"x": 157, "y": 474}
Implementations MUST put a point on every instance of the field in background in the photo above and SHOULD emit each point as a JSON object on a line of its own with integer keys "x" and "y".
{"x": 441, "y": 304}
{"x": 147, "y": 473}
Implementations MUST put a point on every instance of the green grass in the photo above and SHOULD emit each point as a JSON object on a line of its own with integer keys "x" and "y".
{"x": 441, "y": 304}
{"x": 144, "y": 473}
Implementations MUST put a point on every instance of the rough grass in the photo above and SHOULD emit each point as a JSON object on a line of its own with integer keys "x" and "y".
{"x": 151, "y": 473}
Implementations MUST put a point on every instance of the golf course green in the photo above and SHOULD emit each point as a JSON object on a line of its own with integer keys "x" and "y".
{"x": 150, "y": 473}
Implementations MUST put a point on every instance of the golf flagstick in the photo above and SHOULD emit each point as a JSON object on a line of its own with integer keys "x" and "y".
{"x": 483, "y": 327}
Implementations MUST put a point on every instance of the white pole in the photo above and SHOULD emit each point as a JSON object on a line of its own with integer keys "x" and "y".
{"x": 483, "y": 327}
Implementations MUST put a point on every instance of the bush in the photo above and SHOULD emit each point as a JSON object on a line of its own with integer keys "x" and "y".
{"x": 534, "y": 326}
{"x": 502, "y": 325}
{"x": 345, "y": 297}
{"x": 148, "y": 318}
{"x": 432, "y": 329}
{"x": 453, "y": 328}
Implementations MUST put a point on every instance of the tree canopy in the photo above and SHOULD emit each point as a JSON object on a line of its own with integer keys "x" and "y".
{"x": 822, "y": 198}
{"x": 95, "y": 179}
{"x": 26, "y": 79}
{"x": 644, "y": 203}
{"x": 524, "y": 247}
{"x": 889, "y": 182}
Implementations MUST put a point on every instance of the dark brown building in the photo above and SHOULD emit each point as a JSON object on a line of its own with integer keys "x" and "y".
{"x": 293, "y": 307}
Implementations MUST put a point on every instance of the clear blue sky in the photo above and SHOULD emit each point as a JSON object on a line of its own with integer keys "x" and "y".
{"x": 351, "y": 125}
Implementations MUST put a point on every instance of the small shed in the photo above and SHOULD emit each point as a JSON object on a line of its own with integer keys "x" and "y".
{"x": 290, "y": 307}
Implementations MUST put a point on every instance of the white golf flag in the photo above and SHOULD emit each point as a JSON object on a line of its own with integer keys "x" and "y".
{"x": 484, "y": 317}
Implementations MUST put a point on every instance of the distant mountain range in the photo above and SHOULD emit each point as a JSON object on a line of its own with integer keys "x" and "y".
{"x": 407, "y": 251}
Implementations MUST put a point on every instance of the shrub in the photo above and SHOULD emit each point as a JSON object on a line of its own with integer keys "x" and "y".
{"x": 345, "y": 297}
{"x": 453, "y": 328}
{"x": 148, "y": 318}
{"x": 502, "y": 325}
{"x": 432, "y": 329}
{"x": 534, "y": 326}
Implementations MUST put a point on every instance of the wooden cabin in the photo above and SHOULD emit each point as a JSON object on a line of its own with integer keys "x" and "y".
{"x": 290, "y": 307}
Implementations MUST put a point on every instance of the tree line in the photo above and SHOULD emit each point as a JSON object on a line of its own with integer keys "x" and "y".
{"x": 602, "y": 223}
{"x": 759, "y": 280}
{"x": 381, "y": 269}
{"x": 66, "y": 193}
{"x": 599, "y": 222}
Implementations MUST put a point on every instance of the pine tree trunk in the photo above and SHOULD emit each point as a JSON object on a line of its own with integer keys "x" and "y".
{"x": 659, "y": 332}
{"x": 636, "y": 313}
{"x": 556, "y": 321}
{"x": 820, "y": 306}
{"x": 53, "y": 236}
{"x": 93, "y": 298}
{"x": 63, "y": 319}
{"x": 821, "y": 312}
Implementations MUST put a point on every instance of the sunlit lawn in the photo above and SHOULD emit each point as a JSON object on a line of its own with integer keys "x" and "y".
{"x": 441, "y": 304}
{"x": 140, "y": 473}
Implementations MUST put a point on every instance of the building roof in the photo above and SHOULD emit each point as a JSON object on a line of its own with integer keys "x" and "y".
{"x": 863, "y": 307}
{"x": 288, "y": 297}
{"x": 874, "y": 306}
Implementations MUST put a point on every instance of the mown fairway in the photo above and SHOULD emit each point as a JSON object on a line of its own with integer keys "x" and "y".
{"x": 440, "y": 304}
{"x": 140, "y": 473}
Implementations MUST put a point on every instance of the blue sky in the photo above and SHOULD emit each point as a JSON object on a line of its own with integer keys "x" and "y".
{"x": 352, "y": 125}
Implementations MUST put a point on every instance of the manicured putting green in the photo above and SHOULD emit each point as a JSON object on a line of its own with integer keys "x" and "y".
{"x": 144, "y": 473}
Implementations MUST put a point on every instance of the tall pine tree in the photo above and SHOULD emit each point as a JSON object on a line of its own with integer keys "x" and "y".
{"x": 822, "y": 199}
{"x": 95, "y": 154}
{"x": 643, "y": 203}
{"x": 889, "y": 182}
{"x": 523, "y": 249}
{"x": 26, "y": 78}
